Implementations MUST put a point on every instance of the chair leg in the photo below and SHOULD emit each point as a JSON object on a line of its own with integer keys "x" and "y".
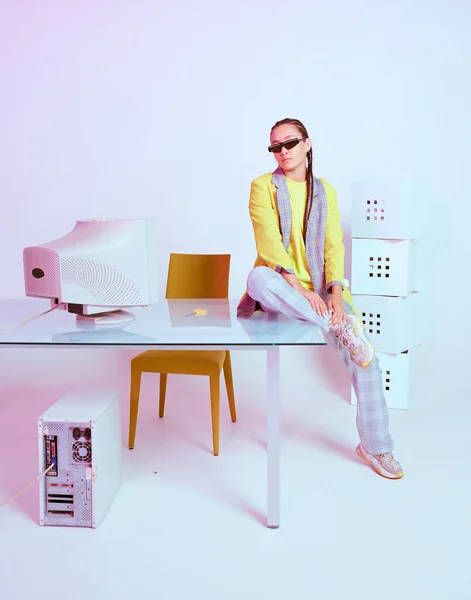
{"x": 162, "y": 392}
{"x": 214, "y": 384}
{"x": 230, "y": 386}
{"x": 134, "y": 404}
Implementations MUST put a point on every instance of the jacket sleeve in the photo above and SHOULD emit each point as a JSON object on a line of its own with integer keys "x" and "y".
{"x": 334, "y": 249}
{"x": 265, "y": 222}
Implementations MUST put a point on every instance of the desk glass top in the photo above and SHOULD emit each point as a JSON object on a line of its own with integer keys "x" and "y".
{"x": 166, "y": 323}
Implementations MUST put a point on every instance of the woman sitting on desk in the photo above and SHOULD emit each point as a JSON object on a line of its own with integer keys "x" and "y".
{"x": 299, "y": 272}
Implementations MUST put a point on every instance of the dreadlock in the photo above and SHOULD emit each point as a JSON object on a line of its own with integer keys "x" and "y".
{"x": 309, "y": 174}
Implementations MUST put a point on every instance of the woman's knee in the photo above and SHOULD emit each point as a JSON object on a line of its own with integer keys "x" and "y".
{"x": 258, "y": 278}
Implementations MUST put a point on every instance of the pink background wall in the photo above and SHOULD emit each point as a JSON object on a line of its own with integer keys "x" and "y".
{"x": 137, "y": 108}
{"x": 145, "y": 107}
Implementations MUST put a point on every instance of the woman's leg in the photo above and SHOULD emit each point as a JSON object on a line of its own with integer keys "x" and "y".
{"x": 268, "y": 287}
{"x": 372, "y": 412}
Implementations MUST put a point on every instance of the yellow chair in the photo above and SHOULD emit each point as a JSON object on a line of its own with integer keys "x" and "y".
{"x": 189, "y": 276}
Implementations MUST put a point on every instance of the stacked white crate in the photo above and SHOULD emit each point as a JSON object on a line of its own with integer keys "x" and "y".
{"x": 388, "y": 223}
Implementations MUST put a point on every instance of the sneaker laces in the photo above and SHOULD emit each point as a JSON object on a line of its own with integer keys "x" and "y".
{"x": 342, "y": 332}
{"x": 387, "y": 459}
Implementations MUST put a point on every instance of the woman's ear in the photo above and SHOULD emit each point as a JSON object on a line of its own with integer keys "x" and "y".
{"x": 308, "y": 144}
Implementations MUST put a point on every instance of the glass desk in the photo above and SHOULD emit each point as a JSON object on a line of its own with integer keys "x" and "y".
{"x": 171, "y": 324}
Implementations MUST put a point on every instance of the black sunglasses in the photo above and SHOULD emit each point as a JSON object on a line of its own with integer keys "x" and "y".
{"x": 288, "y": 145}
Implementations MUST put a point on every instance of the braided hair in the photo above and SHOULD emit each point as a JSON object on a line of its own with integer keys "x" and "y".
{"x": 309, "y": 174}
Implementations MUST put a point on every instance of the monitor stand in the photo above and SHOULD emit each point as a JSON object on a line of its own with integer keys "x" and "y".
{"x": 115, "y": 318}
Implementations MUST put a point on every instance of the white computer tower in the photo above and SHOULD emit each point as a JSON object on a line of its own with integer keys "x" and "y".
{"x": 80, "y": 436}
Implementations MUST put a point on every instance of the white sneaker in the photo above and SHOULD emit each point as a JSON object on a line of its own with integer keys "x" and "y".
{"x": 384, "y": 464}
{"x": 351, "y": 334}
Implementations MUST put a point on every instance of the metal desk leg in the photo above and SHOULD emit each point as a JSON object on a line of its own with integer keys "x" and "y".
{"x": 273, "y": 436}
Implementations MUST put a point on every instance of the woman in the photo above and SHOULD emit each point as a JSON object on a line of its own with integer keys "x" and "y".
{"x": 299, "y": 271}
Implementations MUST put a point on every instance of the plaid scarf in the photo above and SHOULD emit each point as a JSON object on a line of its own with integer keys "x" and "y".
{"x": 314, "y": 238}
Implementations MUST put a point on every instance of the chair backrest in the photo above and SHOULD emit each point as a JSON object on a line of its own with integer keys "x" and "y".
{"x": 198, "y": 276}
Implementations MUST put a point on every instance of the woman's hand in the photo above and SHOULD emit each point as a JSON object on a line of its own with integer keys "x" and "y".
{"x": 336, "y": 307}
{"x": 315, "y": 301}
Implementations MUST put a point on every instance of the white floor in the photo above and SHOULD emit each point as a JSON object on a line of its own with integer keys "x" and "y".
{"x": 186, "y": 524}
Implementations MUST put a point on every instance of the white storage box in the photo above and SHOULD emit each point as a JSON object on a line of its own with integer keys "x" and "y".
{"x": 393, "y": 324}
{"x": 384, "y": 267}
{"x": 384, "y": 210}
{"x": 395, "y": 369}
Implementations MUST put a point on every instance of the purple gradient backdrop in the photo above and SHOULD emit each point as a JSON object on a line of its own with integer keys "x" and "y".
{"x": 120, "y": 109}
{"x": 138, "y": 107}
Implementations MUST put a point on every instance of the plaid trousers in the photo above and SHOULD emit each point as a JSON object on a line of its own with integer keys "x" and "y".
{"x": 274, "y": 294}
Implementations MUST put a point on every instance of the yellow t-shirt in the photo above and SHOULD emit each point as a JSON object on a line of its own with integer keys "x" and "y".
{"x": 271, "y": 252}
{"x": 297, "y": 248}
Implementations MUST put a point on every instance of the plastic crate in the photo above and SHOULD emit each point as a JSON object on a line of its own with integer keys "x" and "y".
{"x": 393, "y": 324}
{"x": 385, "y": 267}
{"x": 395, "y": 369}
{"x": 397, "y": 211}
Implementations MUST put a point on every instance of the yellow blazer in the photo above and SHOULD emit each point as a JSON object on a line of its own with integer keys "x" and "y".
{"x": 271, "y": 252}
